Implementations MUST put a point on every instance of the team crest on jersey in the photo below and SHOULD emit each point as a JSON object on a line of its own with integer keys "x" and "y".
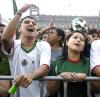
{"x": 24, "y": 62}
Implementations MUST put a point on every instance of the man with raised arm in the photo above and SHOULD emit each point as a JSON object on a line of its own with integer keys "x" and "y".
{"x": 29, "y": 58}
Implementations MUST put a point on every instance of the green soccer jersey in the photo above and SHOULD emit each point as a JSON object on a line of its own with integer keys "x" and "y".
{"x": 4, "y": 66}
{"x": 75, "y": 89}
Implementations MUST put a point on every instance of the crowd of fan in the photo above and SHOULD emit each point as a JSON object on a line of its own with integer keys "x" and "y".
{"x": 72, "y": 54}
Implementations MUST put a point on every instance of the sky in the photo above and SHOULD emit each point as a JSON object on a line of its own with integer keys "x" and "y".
{"x": 55, "y": 7}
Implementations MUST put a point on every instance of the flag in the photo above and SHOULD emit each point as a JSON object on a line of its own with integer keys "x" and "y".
{"x": 14, "y": 6}
{"x": 16, "y": 34}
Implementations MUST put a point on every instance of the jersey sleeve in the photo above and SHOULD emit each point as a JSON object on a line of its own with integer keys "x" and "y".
{"x": 45, "y": 53}
{"x": 95, "y": 54}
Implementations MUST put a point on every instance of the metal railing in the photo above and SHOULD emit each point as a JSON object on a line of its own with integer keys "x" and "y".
{"x": 88, "y": 79}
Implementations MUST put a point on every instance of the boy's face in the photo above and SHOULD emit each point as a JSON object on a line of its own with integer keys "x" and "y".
{"x": 28, "y": 27}
{"x": 92, "y": 37}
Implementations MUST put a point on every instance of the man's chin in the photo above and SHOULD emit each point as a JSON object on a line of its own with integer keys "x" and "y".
{"x": 30, "y": 37}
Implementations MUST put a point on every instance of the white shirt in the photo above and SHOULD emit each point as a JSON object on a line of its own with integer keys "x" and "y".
{"x": 22, "y": 62}
{"x": 95, "y": 54}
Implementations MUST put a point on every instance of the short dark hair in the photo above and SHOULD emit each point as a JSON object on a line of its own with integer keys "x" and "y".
{"x": 61, "y": 33}
{"x": 25, "y": 18}
{"x": 93, "y": 31}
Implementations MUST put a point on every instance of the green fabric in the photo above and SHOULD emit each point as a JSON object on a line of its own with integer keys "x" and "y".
{"x": 75, "y": 89}
{"x": 4, "y": 66}
{"x": 14, "y": 6}
{"x": 29, "y": 49}
{"x": 15, "y": 9}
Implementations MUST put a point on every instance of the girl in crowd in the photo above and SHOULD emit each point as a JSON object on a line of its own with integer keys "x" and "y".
{"x": 56, "y": 38}
{"x": 72, "y": 66}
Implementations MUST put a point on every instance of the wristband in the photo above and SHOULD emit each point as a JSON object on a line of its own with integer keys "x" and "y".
{"x": 19, "y": 13}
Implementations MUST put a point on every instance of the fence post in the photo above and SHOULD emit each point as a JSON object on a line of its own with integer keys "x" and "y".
{"x": 41, "y": 88}
{"x": 88, "y": 89}
{"x": 65, "y": 88}
{"x": 18, "y": 92}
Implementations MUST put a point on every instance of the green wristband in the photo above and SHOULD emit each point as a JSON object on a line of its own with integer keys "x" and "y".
{"x": 12, "y": 90}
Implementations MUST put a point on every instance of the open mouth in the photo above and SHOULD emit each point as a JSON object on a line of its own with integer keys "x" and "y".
{"x": 77, "y": 44}
{"x": 30, "y": 30}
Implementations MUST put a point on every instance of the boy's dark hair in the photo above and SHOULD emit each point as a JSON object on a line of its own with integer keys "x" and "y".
{"x": 93, "y": 31}
{"x": 61, "y": 33}
{"x": 25, "y": 18}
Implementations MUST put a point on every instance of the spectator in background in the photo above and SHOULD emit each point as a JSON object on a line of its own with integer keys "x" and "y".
{"x": 67, "y": 32}
{"x": 29, "y": 59}
{"x": 56, "y": 39}
{"x": 91, "y": 36}
{"x": 95, "y": 64}
{"x": 4, "y": 68}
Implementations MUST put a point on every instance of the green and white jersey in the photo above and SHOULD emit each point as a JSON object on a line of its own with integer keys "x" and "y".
{"x": 23, "y": 62}
{"x": 75, "y": 89}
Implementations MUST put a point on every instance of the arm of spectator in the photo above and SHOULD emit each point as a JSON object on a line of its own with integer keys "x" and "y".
{"x": 4, "y": 86}
{"x": 52, "y": 22}
{"x": 26, "y": 79}
{"x": 9, "y": 30}
{"x": 47, "y": 29}
{"x": 95, "y": 64}
{"x": 53, "y": 87}
{"x": 95, "y": 85}
{"x": 44, "y": 30}
{"x": 72, "y": 76}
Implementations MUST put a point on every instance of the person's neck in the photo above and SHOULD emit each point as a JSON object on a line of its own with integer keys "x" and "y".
{"x": 73, "y": 55}
{"x": 27, "y": 42}
{"x": 55, "y": 47}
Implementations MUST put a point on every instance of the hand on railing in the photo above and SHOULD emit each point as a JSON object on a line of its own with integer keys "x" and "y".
{"x": 22, "y": 80}
{"x": 72, "y": 76}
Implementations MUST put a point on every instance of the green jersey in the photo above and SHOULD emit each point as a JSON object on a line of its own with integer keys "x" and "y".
{"x": 74, "y": 89}
{"x": 4, "y": 66}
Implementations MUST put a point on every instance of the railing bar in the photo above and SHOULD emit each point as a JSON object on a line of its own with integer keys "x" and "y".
{"x": 58, "y": 94}
{"x": 89, "y": 78}
{"x": 88, "y": 89}
{"x": 65, "y": 88}
{"x": 50, "y": 78}
{"x": 41, "y": 88}
{"x": 18, "y": 92}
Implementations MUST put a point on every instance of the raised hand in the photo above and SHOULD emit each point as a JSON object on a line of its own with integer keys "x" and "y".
{"x": 25, "y": 7}
{"x": 52, "y": 22}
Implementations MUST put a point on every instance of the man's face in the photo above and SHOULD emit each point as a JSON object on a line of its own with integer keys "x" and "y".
{"x": 28, "y": 27}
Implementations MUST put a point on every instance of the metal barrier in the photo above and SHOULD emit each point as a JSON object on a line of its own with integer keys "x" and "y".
{"x": 88, "y": 79}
